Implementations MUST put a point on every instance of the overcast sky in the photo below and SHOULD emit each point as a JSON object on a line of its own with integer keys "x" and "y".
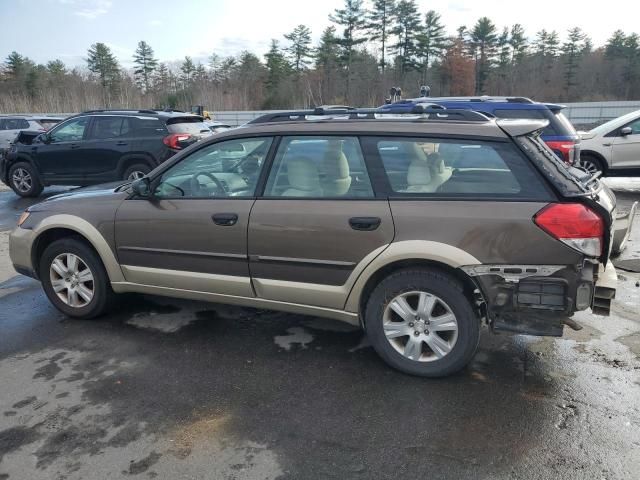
{"x": 64, "y": 29}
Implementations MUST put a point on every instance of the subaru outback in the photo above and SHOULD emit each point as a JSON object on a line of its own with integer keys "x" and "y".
{"x": 419, "y": 228}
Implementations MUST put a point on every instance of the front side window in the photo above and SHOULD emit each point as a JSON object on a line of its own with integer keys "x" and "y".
{"x": 225, "y": 169}
{"x": 109, "y": 127}
{"x": 453, "y": 168}
{"x": 70, "y": 131}
{"x": 324, "y": 167}
{"x": 635, "y": 127}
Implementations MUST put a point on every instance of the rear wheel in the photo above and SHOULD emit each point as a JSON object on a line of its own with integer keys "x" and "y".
{"x": 420, "y": 322}
{"x": 134, "y": 172}
{"x": 74, "y": 279}
{"x": 591, "y": 164}
{"x": 24, "y": 180}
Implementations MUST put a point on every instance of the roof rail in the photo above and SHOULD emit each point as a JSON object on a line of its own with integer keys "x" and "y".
{"x": 133, "y": 110}
{"x": 425, "y": 112}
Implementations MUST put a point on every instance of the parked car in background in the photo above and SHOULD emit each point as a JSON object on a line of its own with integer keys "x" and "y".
{"x": 613, "y": 148}
{"x": 217, "y": 127}
{"x": 99, "y": 146}
{"x": 418, "y": 229}
{"x": 11, "y": 126}
{"x": 559, "y": 134}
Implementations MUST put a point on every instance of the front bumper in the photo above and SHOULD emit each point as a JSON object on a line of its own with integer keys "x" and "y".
{"x": 20, "y": 247}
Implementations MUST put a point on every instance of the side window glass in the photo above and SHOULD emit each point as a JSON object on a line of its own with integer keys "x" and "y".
{"x": 635, "y": 127}
{"x": 436, "y": 167}
{"x": 225, "y": 169}
{"x": 325, "y": 167}
{"x": 70, "y": 131}
{"x": 106, "y": 127}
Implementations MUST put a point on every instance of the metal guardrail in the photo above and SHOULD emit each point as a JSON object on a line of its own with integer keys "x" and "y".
{"x": 580, "y": 113}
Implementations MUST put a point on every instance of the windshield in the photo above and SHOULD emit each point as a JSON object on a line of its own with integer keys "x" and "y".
{"x": 571, "y": 182}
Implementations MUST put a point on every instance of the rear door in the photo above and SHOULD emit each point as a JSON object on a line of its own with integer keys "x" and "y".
{"x": 317, "y": 222}
{"x": 106, "y": 143}
{"x": 626, "y": 148}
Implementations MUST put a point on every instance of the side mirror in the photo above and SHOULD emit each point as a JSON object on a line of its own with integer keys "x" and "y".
{"x": 141, "y": 187}
{"x": 626, "y": 131}
{"x": 44, "y": 138}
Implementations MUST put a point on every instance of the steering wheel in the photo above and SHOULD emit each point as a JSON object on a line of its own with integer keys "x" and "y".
{"x": 195, "y": 184}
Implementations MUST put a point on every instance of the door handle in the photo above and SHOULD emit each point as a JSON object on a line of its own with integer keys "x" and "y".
{"x": 225, "y": 219}
{"x": 364, "y": 223}
{"x": 74, "y": 145}
{"x": 121, "y": 144}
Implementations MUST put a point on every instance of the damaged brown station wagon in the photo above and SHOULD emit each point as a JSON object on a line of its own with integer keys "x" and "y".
{"x": 419, "y": 228}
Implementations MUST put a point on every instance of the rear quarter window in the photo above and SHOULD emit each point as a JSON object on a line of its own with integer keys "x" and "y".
{"x": 190, "y": 125}
{"x": 147, "y": 127}
{"x": 435, "y": 167}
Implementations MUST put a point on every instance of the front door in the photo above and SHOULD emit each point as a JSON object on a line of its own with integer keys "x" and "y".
{"x": 61, "y": 158}
{"x": 317, "y": 223}
{"x": 626, "y": 148}
{"x": 192, "y": 233}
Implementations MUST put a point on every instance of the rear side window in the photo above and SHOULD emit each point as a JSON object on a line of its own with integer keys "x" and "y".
{"x": 147, "y": 127}
{"x": 456, "y": 168}
{"x": 109, "y": 127}
{"x": 47, "y": 123}
{"x": 15, "y": 124}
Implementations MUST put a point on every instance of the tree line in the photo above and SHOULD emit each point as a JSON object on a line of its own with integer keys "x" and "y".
{"x": 369, "y": 47}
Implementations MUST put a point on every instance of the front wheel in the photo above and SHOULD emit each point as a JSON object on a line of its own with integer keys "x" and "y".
{"x": 420, "y": 322}
{"x": 24, "y": 180}
{"x": 135, "y": 172}
{"x": 591, "y": 164}
{"x": 74, "y": 279}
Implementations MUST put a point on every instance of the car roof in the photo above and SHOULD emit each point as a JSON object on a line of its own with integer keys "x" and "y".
{"x": 32, "y": 117}
{"x": 144, "y": 112}
{"x": 380, "y": 127}
{"x": 484, "y": 103}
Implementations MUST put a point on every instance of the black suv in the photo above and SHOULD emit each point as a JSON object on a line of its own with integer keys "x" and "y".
{"x": 98, "y": 146}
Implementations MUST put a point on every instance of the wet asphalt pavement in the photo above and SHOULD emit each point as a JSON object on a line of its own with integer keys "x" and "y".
{"x": 184, "y": 390}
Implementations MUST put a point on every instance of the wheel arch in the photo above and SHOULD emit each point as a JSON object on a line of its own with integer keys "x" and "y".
{"x": 132, "y": 158}
{"x": 411, "y": 254}
{"x": 63, "y": 226}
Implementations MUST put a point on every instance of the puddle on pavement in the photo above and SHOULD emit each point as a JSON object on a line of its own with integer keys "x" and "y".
{"x": 162, "y": 322}
{"x": 296, "y": 336}
{"x": 632, "y": 341}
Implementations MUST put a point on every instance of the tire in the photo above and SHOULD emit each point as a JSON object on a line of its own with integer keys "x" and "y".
{"x": 24, "y": 180}
{"x": 102, "y": 296}
{"x": 591, "y": 163}
{"x": 445, "y": 296}
{"x": 138, "y": 170}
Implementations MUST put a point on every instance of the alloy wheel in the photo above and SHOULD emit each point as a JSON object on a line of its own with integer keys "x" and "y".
{"x": 22, "y": 180}
{"x": 420, "y": 326}
{"x": 72, "y": 280}
{"x": 589, "y": 166}
{"x": 135, "y": 175}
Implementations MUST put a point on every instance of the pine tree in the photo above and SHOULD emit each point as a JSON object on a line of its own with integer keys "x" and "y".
{"x": 352, "y": 19}
{"x": 188, "y": 69}
{"x": 432, "y": 42}
{"x": 56, "y": 68}
{"x": 616, "y": 45}
{"x": 518, "y": 43}
{"x": 483, "y": 42}
{"x": 300, "y": 50}
{"x": 407, "y": 27}
{"x": 379, "y": 25}
{"x": 572, "y": 52}
{"x": 16, "y": 64}
{"x": 103, "y": 63}
{"x": 278, "y": 69}
{"x": 145, "y": 65}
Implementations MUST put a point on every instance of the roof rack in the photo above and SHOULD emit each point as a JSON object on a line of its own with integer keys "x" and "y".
{"x": 483, "y": 98}
{"x": 425, "y": 112}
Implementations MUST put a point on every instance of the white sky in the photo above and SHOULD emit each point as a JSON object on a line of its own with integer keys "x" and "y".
{"x": 66, "y": 28}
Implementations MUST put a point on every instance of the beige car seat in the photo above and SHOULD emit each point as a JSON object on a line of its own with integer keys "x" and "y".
{"x": 336, "y": 179}
{"x": 304, "y": 180}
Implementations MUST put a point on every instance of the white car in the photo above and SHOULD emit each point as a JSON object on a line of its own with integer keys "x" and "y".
{"x": 10, "y": 126}
{"x": 613, "y": 148}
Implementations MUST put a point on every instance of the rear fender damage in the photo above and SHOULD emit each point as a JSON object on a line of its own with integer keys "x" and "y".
{"x": 535, "y": 299}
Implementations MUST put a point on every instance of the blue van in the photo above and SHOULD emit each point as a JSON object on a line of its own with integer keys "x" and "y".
{"x": 559, "y": 135}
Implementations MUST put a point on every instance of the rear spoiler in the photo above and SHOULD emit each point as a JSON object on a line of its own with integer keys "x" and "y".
{"x": 519, "y": 127}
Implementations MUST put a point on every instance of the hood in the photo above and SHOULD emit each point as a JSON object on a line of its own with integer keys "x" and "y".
{"x": 587, "y": 135}
{"x": 103, "y": 193}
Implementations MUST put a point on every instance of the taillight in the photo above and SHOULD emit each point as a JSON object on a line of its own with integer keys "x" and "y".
{"x": 566, "y": 150}
{"x": 574, "y": 224}
{"x": 173, "y": 140}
